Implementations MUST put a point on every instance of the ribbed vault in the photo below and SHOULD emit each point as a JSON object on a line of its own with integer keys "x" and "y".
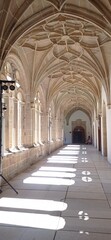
{"x": 63, "y": 47}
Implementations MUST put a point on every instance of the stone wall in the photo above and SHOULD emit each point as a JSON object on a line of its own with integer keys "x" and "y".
{"x": 15, "y": 163}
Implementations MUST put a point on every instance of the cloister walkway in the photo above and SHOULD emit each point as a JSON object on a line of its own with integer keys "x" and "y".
{"x": 66, "y": 196}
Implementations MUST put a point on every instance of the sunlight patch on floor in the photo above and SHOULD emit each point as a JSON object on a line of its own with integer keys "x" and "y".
{"x": 86, "y": 173}
{"x": 63, "y": 157}
{"x": 83, "y": 215}
{"x": 34, "y": 204}
{"x": 86, "y": 179}
{"x": 61, "y": 169}
{"x": 48, "y": 181}
{"x": 64, "y": 152}
{"x": 63, "y": 161}
{"x": 53, "y": 174}
{"x": 32, "y": 220}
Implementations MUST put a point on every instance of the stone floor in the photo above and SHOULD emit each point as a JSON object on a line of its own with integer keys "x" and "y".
{"x": 64, "y": 197}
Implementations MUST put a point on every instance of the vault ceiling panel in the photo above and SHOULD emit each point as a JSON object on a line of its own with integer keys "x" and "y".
{"x": 35, "y": 7}
{"x": 65, "y": 48}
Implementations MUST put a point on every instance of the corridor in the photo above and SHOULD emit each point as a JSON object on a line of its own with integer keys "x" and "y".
{"x": 66, "y": 196}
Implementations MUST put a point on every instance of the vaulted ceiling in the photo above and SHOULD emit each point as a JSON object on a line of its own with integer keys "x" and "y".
{"x": 64, "y": 47}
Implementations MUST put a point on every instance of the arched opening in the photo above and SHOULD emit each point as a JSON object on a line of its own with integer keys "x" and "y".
{"x": 78, "y": 135}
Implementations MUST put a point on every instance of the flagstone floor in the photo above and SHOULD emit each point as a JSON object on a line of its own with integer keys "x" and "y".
{"x": 66, "y": 196}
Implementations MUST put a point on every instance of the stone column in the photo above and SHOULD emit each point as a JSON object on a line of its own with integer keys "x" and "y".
{"x": 44, "y": 129}
{"x": 27, "y": 122}
{"x": 108, "y": 132}
{"x": 99, "y": 132}
{"x": 54, "y": 129}
{"x": 6, "y": 117}
{"x": 22, "y": 122}
{"x": 33, "y": 123}
{"x": 10, "y": 120}
{"x": 104, "y": 132}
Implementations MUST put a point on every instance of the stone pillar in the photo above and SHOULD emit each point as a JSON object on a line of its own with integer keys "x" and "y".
{"x": 44, "y": 129}
{"x": 22, "y": 122}
{"x": 15, "y": 121}
{"x": 33, "y": 123}
{"x": 38, "y": 124}
{"x": 99, "y": 132}
{"x": 109, "y": 133}
{"x": 54, "y": 129}
{"x": 104, "y": 132}
{"x": 59, "y": 128}
{"x": 6, "y": 117}
{"x": 10, "y": 120}
{"x": 27, "y": 119}
{"x": 94, "y": 134}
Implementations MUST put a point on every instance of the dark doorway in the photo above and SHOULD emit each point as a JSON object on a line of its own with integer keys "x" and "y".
{"x": 78, "y": 135}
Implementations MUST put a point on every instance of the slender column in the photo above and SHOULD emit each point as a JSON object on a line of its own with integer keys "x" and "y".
{"x": 0, "y": 126}
{"x": 109, "y": 133}
{"x": 6, "y": 123}
{"x": 27, "y": 122}
{"x": 33, "y": 122}
{"x": 15, "y": 121}
{"x": 44, "y": 129}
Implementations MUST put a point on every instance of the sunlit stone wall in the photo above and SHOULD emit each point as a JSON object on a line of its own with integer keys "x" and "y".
{"x": 15, "y": 163}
